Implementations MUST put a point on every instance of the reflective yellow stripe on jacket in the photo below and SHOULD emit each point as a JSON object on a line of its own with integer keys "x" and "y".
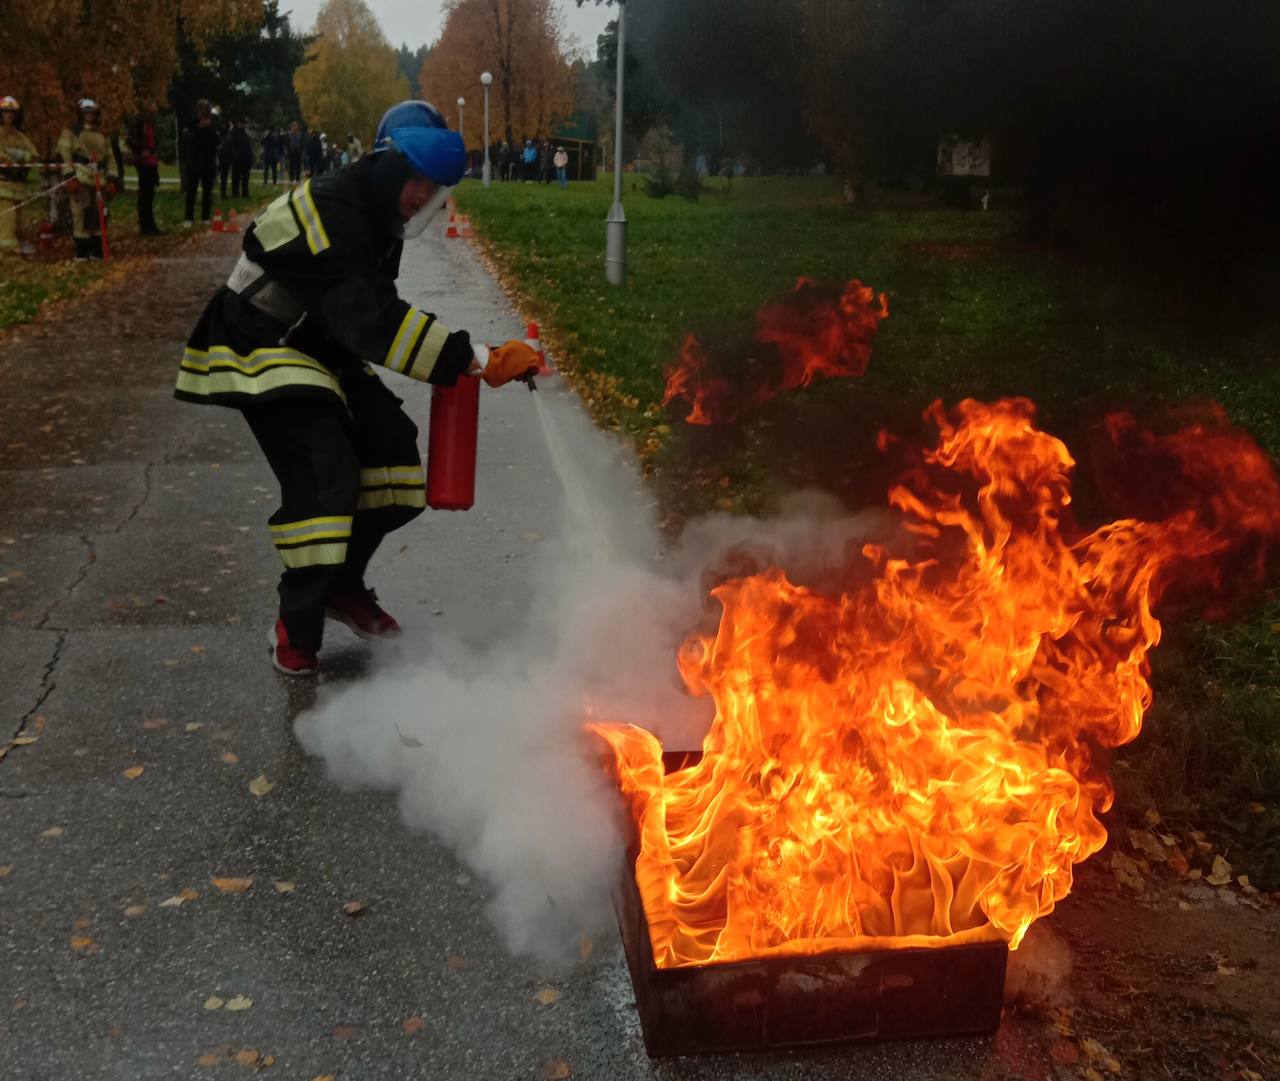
{"x": 312, "y": 226}
{"x": 416, "y": 346}
{"x": 392, "y": 486}
{"x": 220, "y": 370}
{"x": 312, "y": 542}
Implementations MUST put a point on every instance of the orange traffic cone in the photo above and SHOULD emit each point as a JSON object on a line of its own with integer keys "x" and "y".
{"x": 217, "y": 226}
{"x": 533, "y": 340}
{"x": 233, "y": 223}
{"x": 467, "y": 231}
{"x": 452, "y": 231}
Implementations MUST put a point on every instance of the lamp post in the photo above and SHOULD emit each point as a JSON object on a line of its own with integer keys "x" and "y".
{"x": 462, "y": 105}
{"x": 486, "y": 78}
{"x": 615, "y": 243}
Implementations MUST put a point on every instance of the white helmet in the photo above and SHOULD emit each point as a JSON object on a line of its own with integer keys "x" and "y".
{"x": 9, "y": 103}
{"x": 87, "y": 105}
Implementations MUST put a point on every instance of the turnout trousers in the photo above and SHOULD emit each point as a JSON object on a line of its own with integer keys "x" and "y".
{"x": 348, "y": 477}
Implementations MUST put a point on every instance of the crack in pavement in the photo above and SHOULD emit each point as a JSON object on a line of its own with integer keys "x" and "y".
{"x": 47, "y": 682}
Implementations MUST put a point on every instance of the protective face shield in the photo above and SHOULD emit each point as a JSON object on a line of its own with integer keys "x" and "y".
{"x": 417, "y": 225}
{"x": 432, "y": 153}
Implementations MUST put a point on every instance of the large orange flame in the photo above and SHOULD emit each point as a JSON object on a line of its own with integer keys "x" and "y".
{"x": 814, "y": 330}
{"x": 920, "y": 759}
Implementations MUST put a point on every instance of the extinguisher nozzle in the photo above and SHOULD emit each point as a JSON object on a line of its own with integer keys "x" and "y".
{"x": 532, "y": 385}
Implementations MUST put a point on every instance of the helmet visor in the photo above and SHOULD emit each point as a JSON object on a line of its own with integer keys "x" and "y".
{"x": 416, "y": 226}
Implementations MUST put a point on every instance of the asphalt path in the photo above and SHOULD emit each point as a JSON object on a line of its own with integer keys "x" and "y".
{"x": 144, "y": 723}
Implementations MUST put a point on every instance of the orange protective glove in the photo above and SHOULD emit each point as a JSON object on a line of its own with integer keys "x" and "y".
{"x": 512, "y": 360}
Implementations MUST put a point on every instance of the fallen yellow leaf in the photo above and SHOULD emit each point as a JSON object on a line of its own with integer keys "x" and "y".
{"x": 213, "y": 1002}
{"x": 152, "y": 724}
{"x": 325, "y": 1077}
{"x": 413, "y": 1025}
{"x": 229, "y": 757}
{"x": 239, "y": 1002}
{"x": 179, "y": 899}
{"x": 25, "y": 741}
{"x": 547, "y": 995}
{"x": 194, "y": 726}
{"x": 1220, "y": 875}
{"x": 6, "y": 870}
{"x": 586, "y": 947}
{"x": 260, "y": 786}
{"x": 211, "y": 1060}
{"x": 285, "y": 887}
{"x": 133, "y": 911}
{"x": 54, "y": 831}
{"x": 133, "y": 772}
{"x": 268, "y": 1061}
{"x": 232, "y": 885}
{"x": 81, "y": 942}
{"x": 353, "y": 908}
{"x": 248, "y": 1057}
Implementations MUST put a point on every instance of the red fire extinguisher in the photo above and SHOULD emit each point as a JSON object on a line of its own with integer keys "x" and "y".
{"x": 451, "y": 447}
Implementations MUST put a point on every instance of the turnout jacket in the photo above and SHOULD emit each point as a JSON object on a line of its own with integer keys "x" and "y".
{"x": 313, "y": 303}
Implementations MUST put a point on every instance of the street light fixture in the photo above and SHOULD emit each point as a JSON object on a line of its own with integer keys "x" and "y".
{"x": 486, "y": 78}
{"x": 615, "y": 242}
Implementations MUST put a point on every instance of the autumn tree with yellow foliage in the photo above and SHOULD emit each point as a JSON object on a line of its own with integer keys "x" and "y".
{"x": 118, "y": 52}
{"x": 351, "y": 76}
{"x": 522, "y": 43}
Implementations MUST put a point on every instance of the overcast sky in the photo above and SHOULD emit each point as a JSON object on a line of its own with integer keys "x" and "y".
{"x": 418, "y": 22}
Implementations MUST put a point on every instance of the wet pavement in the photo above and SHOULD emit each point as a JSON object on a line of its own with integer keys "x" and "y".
{"x": 141, "y": 714}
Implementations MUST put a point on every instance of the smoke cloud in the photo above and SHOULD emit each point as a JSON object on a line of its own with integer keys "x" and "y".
{"x": 484, "y": 744}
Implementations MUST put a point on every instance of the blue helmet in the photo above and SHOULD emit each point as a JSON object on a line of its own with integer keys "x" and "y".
{"x": 418, "y": 131}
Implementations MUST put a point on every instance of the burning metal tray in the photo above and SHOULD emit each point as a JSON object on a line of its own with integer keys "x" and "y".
{"x": 781, "y": 1002}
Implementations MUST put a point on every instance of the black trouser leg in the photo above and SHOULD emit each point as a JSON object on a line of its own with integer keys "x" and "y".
{"x": 206, "y": 201}
{"x": 308, "y": 445}
{"x": 148, "y": 178}
{"x": 193, "y": 182}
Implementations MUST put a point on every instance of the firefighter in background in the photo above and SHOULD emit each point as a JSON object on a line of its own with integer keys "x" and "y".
{"x": 86, "y": 156}
{"x": 291, "y": 341}
{"x": 17, "y": 152}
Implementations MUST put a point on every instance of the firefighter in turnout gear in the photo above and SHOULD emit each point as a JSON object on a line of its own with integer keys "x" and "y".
{"x": 87, "y": 160}
{"x": 17, "y": 152}
{"x": 292, "y": 340}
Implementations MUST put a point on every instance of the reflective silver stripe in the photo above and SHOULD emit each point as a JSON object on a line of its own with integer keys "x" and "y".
{"x": 405, "y": 474}
{"x": 336, "y": 527}
{"x": 406, "y": 338}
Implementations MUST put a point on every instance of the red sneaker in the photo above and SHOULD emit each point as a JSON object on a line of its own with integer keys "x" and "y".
{"x": 287, "y": 657}
{"x": 359, "y": 610}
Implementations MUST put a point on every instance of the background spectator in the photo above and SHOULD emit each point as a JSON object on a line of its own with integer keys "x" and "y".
{"x": 562, "y": 166}
{"x": 201, "y": 152}
{"x": 241, "y": 160}
{"x": 293, "y": 147}
{"x": 315, "y": 154}
{"x": 271, "y": 157}
{"x": 142, "y": 144}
